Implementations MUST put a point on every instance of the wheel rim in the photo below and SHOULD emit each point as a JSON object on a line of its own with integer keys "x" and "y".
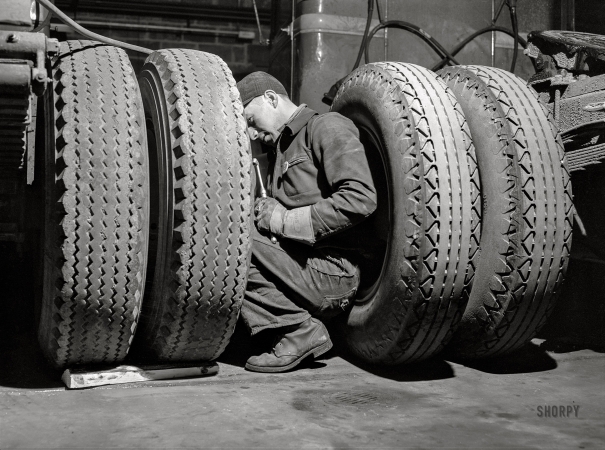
{"x": 381, "y": 221}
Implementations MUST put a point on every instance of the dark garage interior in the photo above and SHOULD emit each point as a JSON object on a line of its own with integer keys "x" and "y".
{"x": 480, "y": 315}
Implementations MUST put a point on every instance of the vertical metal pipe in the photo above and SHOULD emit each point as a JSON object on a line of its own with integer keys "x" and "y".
{"x": 386, "y": 31}
{"x": 292, "y": 50}
{"x": 493, "y": 46}
{"x": 568, "y": 15}
{"x": 564, "y": 9}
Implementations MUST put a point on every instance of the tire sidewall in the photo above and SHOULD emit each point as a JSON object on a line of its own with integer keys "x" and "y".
{"x": 368, "y": 316}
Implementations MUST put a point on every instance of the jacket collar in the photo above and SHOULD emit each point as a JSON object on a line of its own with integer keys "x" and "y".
{"x": 299, "y": 119}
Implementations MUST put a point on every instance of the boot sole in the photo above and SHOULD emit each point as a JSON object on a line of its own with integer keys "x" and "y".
{"x": 316, "y": 352}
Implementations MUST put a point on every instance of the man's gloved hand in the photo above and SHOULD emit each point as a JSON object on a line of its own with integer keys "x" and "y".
{"x": 269, "y": 215}
{"x": 295, "y": 224}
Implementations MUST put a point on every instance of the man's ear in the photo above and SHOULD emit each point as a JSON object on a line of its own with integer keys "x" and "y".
{"x": 272, "y": 97}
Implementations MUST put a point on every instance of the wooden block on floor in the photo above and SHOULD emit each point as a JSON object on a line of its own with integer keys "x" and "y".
{"x": 86, "y": 378}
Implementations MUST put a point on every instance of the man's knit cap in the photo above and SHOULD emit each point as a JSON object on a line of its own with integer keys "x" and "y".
{"x": 255, "y": 85}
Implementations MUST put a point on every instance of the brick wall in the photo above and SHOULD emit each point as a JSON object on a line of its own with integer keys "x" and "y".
{"x": 237, "y": 43}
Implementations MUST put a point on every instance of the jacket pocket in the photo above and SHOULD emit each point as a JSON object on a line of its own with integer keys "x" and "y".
{"x": 299, "y": 174}
{"x": 331, "y": 262}
{"x": 336, "y": 304}
{"x": 294, "y": 161}
{"x": 337, "y": 278}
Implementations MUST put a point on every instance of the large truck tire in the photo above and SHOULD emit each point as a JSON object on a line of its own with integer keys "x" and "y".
{"x": 96, "y": 207}
{"x": 416, "y": 284}
{"x": 200, "y": 226}
{"x": 527, "y": 214}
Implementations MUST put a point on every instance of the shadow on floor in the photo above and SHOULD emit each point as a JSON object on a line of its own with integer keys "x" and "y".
{"x": 242, "y": 346}
{"x": 21, "y": 361}
{"x": 23, "y": 365}
{"x": 431, "y": 369}
{"x": 530, "y": 358}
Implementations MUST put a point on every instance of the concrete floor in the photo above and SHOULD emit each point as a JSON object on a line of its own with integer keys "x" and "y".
{"x": 331, "y": 403}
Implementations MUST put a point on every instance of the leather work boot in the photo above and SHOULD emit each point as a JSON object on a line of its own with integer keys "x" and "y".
{"x": 310, "y": 337}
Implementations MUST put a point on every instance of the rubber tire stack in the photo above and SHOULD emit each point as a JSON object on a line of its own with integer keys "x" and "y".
{"x": 96, "y": 207}
{"x": 200, "y": 158}
{"x": 527, "y": 214}
{"x": 434, "y": 211}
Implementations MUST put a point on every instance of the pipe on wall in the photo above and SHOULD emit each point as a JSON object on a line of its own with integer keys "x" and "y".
{"x": 165, "y": 9}
{"x": 248, "y": 35}
{"x": 568, "y": 15}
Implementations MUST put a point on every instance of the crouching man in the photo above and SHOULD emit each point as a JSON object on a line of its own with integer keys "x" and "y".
{"x": 319, "y": 186}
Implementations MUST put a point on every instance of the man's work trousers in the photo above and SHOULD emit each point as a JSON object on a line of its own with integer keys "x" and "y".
{"x": 289, "y": 282}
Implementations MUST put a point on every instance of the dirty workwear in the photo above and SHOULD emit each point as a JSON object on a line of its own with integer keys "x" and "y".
{"x": 318, "y": 164}
{"x": 288, "y": 282}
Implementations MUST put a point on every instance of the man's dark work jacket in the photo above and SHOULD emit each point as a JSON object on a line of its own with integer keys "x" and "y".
{"x": 320, "y": 162}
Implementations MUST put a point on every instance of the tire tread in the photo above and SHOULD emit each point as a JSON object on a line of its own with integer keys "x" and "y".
{"x": 441, "y": 183}
{"x": 97, "y": 208}
{"x": 540, "y": 238}
{"x": 211, "y": 236}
